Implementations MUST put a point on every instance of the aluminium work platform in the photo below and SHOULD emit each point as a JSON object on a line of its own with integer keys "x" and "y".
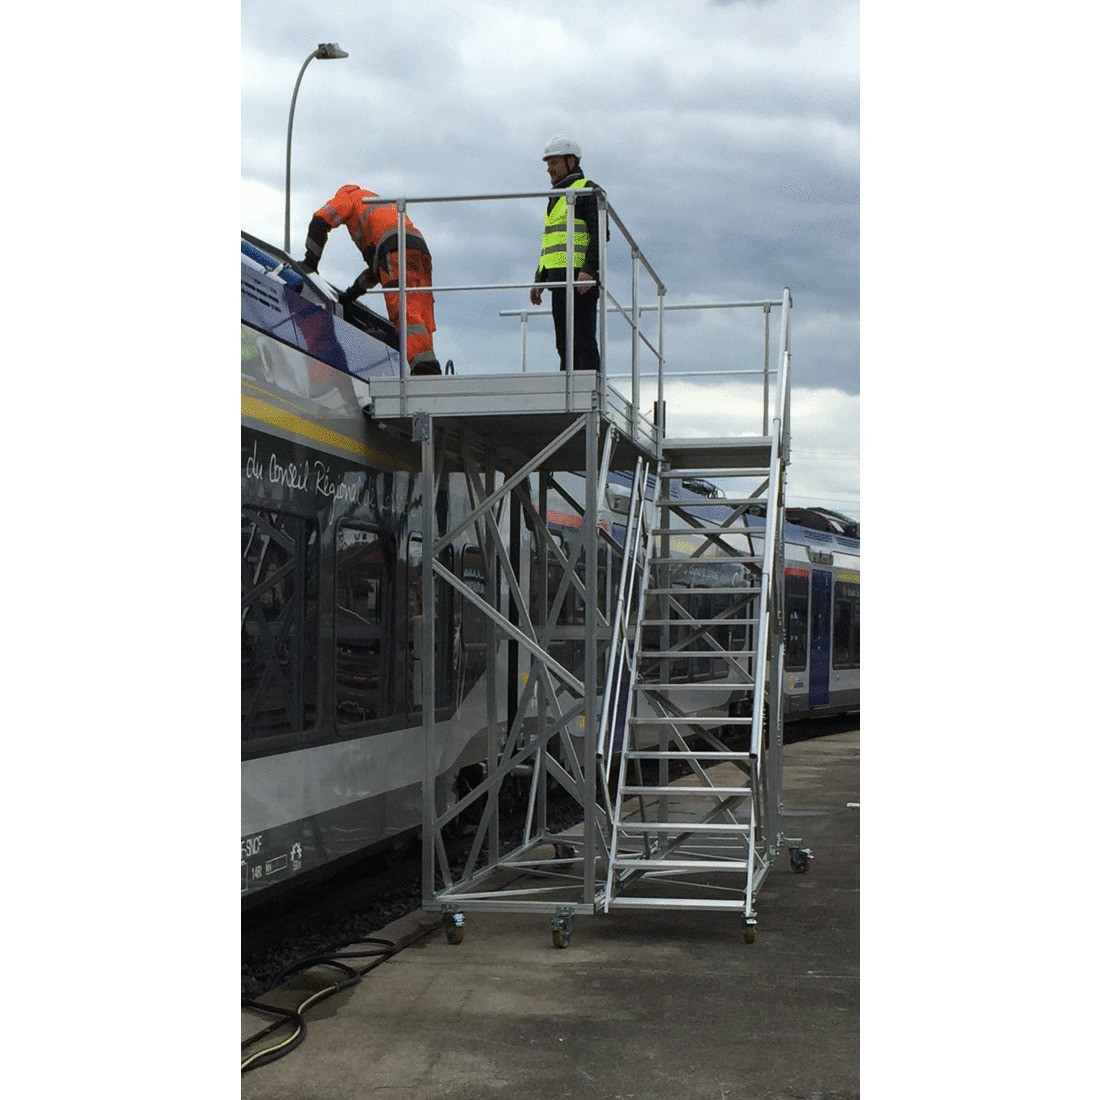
{"x": 524, "y": 412}
{"x": 621, "y": 686}
{"x": 508, "y": 434}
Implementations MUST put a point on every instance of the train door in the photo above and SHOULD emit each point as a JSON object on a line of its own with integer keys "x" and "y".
{"x": 820, "y": 636}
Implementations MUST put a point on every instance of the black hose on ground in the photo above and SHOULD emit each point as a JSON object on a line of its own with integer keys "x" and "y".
{"x": 295, "y": 1017}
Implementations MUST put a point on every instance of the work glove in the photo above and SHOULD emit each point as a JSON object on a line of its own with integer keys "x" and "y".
{"x": 360, "y": 286}
{"x": 308, "y": 266}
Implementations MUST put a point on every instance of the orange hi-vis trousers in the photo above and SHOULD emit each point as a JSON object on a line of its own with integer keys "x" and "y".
{"x": 419, "y": 307}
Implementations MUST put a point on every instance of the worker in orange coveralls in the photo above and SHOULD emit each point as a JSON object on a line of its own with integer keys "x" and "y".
{"x": 373, "y": 228}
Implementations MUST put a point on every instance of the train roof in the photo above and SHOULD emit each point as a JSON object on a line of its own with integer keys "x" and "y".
{"x": 310, "y": 315}
{"x": 823, "y": 519}
{"x": 808, "y": 527}
{"x": 819, "y": 527}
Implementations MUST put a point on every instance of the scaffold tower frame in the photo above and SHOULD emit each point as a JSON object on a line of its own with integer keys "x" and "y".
{"x": 590, "y": 726}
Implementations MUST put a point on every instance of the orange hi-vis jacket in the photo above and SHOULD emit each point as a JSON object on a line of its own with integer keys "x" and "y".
{"x": 374, "y": 231}
{"x": 372, "y": 228}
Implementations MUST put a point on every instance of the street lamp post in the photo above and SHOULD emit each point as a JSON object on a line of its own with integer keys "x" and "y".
{"x": 326, "y": 51}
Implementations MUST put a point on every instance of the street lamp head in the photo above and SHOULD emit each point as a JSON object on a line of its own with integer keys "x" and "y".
{"x": 330, "y": 51}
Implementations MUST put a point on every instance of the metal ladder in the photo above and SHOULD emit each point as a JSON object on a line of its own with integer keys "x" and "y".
{"x": 686, "y": 834}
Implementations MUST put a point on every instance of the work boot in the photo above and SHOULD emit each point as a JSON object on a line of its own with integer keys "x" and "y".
{"x": 426, "y": 366}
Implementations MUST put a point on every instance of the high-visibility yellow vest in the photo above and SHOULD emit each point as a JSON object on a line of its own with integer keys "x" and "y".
{"x": 555, "y": 236}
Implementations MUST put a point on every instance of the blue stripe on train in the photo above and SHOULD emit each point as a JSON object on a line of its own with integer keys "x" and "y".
{"x": 288, "y": 275}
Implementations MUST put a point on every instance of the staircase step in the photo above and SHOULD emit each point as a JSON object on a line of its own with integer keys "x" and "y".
{"x": 676, "y": 754}
{"x": 716, "y": 529}
{"x": 679, "y": 504}
{"x": 733, "y": 502}
{"x": 699, "y": 622}
{"x": 665, "y": 720}
{"x": 708, "y": 473}
{"x": 686, "y": 789}
{"x": 633, "y": 828}
{"x": 624, "y": 902}
{"x": 688, "y": 592}
{"x": 695, "y": 654}
{"x": 681, "y": 864}
{"x": 711, "y": 685}
{"x": 714, "y": 560}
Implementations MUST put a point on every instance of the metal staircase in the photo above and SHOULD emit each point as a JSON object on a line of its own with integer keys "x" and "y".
{"x": 692, "y": 824}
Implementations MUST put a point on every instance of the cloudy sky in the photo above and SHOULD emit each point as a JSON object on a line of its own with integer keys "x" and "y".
{"x": 725, "y": 132}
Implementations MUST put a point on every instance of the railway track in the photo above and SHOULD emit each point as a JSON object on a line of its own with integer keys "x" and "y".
{"x": 319, "y": 919}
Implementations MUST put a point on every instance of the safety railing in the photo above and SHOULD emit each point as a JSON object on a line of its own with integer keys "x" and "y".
{"x": 616, "y": 303}
{"x": 606, "y": 213}
{"x": 764, "y": 374}
{"x": 629, "y": 600}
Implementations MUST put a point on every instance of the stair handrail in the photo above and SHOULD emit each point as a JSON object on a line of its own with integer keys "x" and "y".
{"x": 776, "y": 468}
{"x": 618, "y": 647}
{"x": 632, "y": 695}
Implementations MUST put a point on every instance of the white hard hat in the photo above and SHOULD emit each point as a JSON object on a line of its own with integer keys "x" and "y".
{"x": 562, "y": 147}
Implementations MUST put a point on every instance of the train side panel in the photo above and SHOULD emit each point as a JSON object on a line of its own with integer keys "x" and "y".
{"x": 332, "y": 740}
{"x": 821, "y": 607}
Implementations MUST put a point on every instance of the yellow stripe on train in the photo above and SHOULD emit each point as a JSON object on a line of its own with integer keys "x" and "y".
{"x": 267, "y": 413}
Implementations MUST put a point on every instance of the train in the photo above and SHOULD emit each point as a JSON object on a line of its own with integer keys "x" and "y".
{"x": 332, "y": 735}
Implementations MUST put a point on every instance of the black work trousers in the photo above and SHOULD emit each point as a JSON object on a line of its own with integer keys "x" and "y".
{"x": 586, "y": 348}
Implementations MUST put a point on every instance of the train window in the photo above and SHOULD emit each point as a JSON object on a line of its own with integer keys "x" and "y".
{"x": 364, "y": 624}
{"x": 796, "y": 596}
{"x": 278, "y": 624}
{"x": 475, "y": 626}
{"x": 845, "y": 625}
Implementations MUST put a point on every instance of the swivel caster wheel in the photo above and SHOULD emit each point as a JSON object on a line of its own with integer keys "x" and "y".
{"x": 454, "y": 924}
{"x": 561, "y": 928}
{"x": 749, "y": 931}
{"x": 800, "y": 860}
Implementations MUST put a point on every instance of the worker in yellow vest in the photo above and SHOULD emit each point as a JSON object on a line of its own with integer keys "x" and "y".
{"x": 562, "y": 157}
